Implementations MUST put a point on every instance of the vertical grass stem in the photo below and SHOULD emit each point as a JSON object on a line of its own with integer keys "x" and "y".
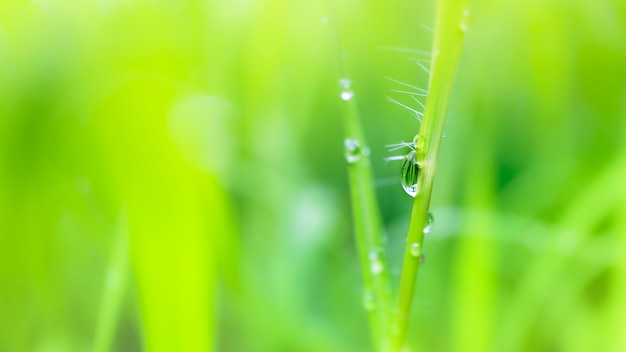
{"x": 451, "y": 25}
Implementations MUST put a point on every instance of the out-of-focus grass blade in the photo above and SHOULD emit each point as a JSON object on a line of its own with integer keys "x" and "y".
{"x": 175, "y": 214}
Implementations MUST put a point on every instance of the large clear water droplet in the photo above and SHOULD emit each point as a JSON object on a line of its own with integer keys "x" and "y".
{"x": 346, "y": 89}
{"x": 352, "y": 150}
{"x": 430, "y": 221}
{"x": 410, "y": 171}
{"x": 415, "y": 249}
{"x": 410, "y": 189}
{"x": 368, "y": 301}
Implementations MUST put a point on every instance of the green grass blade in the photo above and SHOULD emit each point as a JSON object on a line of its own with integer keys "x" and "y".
{"x": 452, "y": 21}
{"x": 367, "y": 224}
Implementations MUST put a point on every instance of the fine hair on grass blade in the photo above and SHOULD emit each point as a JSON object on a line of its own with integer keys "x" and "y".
{"x": 451, "y": 24}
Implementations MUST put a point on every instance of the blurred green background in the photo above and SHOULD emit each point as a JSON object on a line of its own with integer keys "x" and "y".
{"x": 172, "y": 175}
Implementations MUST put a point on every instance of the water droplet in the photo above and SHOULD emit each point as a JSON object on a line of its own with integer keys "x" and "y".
{"x": 373, "y": 255}
{"x": 464, "y": 20}
{"x": 324, "y": 20}
{"x": 347, "y": 95}
{"x": 415, "y": 249}
{"x": 346, "y": 89}
{"x": 368, "y": 301}
{"x": 352, "y": 150}
{"x": 410, "y": 171}
{"x": 376, "y": 266}
{"x": 410, "y": 189}
{"x": 430, "y": 221}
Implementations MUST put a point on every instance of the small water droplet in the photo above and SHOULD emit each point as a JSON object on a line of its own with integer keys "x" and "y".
{"x": 410, "y": 172}
{"x": 352, "y": 150}
{"x": 373, "y": 255}
{"x": 346, "y": 89}
{"x": 324, "y": 20}
{"x": 464, "y": 20}
{"x": 376, "y": 267}
{"x": 368, "y": 301}
{"x": 430, "y": 221}
{"x": 415, "y": 249}
{"x": 347, "y": 95}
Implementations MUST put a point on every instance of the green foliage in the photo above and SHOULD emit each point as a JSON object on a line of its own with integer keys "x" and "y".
{"x": 451, "y": 26}
{"x": 172, "y": 176}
